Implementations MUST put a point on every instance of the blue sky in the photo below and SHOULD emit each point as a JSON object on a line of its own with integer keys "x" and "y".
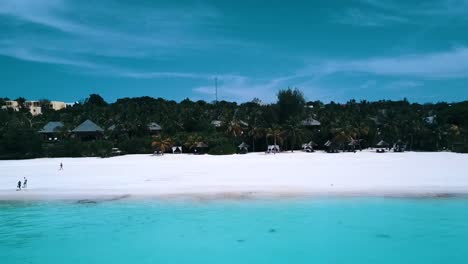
{"x": 331, "y": 50}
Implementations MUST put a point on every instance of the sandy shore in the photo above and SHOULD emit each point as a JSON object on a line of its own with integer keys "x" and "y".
{"x": 238, "y": 176}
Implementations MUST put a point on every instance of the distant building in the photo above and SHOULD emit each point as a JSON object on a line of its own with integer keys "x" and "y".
{"x": 311, "y": 122}
{"x": 57, "y": 105}
{"x": 88, "y": 130}
{"x": 154, "y": 128}
{"x": 11, "y": 105}
{"x": 34, "y": 107}
{"x": 51, "y": 131}
{"x": 217, "y": 123}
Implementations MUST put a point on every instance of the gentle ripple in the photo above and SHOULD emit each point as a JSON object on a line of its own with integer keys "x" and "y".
{"x": 352, "y": 230}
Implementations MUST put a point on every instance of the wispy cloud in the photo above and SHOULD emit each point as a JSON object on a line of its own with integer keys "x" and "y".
{"x": 375, "y": 13}
{"x": 438, "y": 65}
{"x": 358, "y": 17}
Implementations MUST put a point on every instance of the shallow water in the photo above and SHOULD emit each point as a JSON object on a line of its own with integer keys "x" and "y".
{"x": 351, "y": 230}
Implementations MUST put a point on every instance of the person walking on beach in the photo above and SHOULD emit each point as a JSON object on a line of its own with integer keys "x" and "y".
{"x": 25, "y": 183}
{"x": 61, "y": 166}
{"x": 18, "y": 188}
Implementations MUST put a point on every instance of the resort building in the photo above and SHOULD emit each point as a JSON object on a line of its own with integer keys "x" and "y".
{"x": 34, "y": 107}
{"x": 88, "y": 130}
{"x": 217, "y": 123}
{"x": 51, "y": 131}
{"x": 200, "y": 148}
{"x": 11, "y": 105}
{"x": 310, "y": 122}
{"x": 154, "y": 128}
{"x": 57, "y": 105}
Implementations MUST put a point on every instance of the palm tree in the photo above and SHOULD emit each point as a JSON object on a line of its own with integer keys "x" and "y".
{"x": 293, "y": 131}
{"x": 234, "y": 128}
{"x": 255, "y": 133}
{"x": 162, "y": 144}
{"x": 276, "y": 133}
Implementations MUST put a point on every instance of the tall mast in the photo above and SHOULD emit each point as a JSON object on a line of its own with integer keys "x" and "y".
{"x": 216, "y": 89}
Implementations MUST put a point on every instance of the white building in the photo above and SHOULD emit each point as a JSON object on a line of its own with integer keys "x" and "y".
{"x": 11, "y": 105}
{"x": 34, "y": 107}
{"x": 57, "y": 105}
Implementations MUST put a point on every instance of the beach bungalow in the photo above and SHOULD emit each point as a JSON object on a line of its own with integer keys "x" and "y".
{"x": 243, "y": 148}
{"x": 309, "y": 147}
{"x": 331, "y": 147}
{"x": 217, "y": 123}
{"x": 273, "y": 149}
{"x": 88, "y": 130}
{"x": 177, "y": 150}
{"x": 382, "y": 146}
{"x": 51, "y": 131}
{"x": 154, "y": 128}
{"x": 311, "y": 122}
{"x": 399, "y": 146}
{"x": 200, "y": 148}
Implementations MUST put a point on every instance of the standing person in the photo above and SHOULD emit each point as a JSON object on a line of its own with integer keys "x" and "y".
{"x": 25, "y": 183}
{"x": 18, "y": 188}
{"x": 61, "y": 166}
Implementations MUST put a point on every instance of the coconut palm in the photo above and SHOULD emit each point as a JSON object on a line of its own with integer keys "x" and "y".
{"x": 162, "y": 144}
{"x": 255, "y": 133}
{"x": 276, "y": 133}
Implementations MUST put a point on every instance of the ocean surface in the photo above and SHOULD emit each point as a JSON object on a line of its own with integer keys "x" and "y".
{"x": 325, "y": 230}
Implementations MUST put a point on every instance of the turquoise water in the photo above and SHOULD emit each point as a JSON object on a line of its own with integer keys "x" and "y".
{"x": 352, "y": 230}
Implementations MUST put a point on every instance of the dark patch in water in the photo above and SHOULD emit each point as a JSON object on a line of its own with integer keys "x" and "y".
{"x": 240, "y": 241}
{"x": 383, "y": 236}
{"x": 86, "y": 201}
{"x": 272, "y": 230}
{"x": 111, "y": 199}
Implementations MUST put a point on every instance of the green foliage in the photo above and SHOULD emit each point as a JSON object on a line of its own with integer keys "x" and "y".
{"x": 188, "y": 123}
{"x": 224, "y": 149}
{"x": 291, "y": 104}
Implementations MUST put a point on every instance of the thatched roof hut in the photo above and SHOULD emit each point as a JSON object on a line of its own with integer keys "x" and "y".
{"x": 310, "y": 122}
{"x": 382, "y": 144}
{"x": 243, "y": 148}
{"x": 154, "y": 128}
{"x": 88, "y": 130}
{"x": 309, "y": 147}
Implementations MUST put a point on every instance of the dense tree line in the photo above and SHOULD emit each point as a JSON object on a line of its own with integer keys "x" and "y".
{"x": 423, "y": 127}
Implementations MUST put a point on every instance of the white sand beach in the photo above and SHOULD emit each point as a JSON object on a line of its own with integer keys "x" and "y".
{"x": 238, "y": 176}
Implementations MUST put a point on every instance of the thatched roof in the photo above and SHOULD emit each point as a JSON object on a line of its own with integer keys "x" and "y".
{"x": 243, "y": 145}
{"x": 201, "y": 145}
{"x": 382, "y": 144}
{"x": 310, "y": 144}
{"x": 87, "y": 126}
{"x": 328, "y": 143}
{"x": 154, "y": 126}
{"x": 52, "y": 127}
{"x": 311, "y": 122}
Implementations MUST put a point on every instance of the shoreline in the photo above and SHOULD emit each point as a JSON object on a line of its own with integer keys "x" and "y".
{"x": 239, "y": 177}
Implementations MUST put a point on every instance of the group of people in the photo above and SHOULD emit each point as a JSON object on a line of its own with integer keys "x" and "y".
{"x": 24, "y": 185}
